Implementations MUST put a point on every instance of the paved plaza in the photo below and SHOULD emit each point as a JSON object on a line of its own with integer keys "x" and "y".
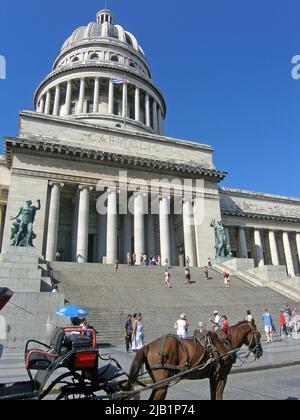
{"x": 280, "y": 366}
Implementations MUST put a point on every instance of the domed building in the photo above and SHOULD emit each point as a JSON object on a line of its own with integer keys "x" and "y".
{"x": 86, "y": 80}
{"x": 111, "y": 184}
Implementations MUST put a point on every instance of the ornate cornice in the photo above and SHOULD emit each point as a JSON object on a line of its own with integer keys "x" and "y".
{"x": 262, "y": 217}
{"x": 70, "y": 152}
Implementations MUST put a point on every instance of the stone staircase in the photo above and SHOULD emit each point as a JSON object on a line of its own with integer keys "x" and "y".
{"x": 110, "y": 296}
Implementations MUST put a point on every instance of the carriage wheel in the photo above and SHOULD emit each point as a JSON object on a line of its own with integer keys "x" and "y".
{"x": 74, "y": 392}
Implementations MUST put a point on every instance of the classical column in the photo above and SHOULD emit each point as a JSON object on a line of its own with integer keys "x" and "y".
{"x": 125, "y": 101}
{"x": 112, "y": 226}
{"x": 75, "y": 226}
{"x": 42, "y": 105}
{"x": 155, "y": 121}
{"x": 273, "y": 248}
{"x": 1, "y": 224}
{"x": 243, "y": 243}
{"x": 258, "y": 248}
{"x": 53, "y": 221}
{"x": 151, "y": 250}
{"x": 81, "y": 95}
{"x": 83, "y": 223}
{"x": 127, "y": 235}
{"x": 137, "y": 104}
{"x": 56, "y": 101}
{"x": 48, "y": 102}
{"x": 101, "y": 237}
{"x": 147, "y": 109}
{"x": 288, "y": 254}
{"x": 164, "y": 227}
{"x": 188, "y": 230}
{"x": 139, "y": 226}
{"x": 298, "y": 244}
{"x": 160, "y": 122}
{"x": 96, "y": 95}
{"x": 68, "y": 97}
{"x": 111, "y": 97}
{"x": 227, "y": 234}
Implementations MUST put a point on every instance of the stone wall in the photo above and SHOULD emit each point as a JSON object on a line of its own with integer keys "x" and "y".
{"x": 240, "y": 201}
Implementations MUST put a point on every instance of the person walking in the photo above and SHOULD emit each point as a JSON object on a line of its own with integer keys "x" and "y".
{"x": 224, "y": 324}
{"x": 138, "y": 339}
{"x": 182, "y": 326}
{"x": 268, "y": 325}
{"x": 128, "y": 332}
{"x": 227, "y": 281}
{"x": 209, "y": 261}
{"x": 282, "y": 323}
{"x": 216, "y": 321}
{"x": 249, "y": 317}
{"x": 167, "y": 277}
{"x": 188, "y": 260}
{"x": 206, "y": 272}
{"x": 187, "y": 276}
{"x": 117, "y": 263}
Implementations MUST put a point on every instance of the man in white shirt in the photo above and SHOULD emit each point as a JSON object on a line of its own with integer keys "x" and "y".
{"x": 217, "y": 320}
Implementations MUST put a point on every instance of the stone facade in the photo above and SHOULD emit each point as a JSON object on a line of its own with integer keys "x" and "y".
{"x": 96, "y": 137}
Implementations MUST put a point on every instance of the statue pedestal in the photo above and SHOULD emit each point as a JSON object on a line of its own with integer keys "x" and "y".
{"x": 19, "y": 270}
{"x": 30, "y": 314}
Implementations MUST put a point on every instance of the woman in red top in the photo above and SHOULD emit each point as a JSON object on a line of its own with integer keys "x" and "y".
{"x": 282, "y": 323}
{"x": 224, "y": 323}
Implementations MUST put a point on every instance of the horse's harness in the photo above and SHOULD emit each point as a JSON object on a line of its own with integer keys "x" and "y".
{"x": 206, "y": 340}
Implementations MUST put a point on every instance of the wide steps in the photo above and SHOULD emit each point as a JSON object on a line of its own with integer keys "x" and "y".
{"x": 110, "y": 296}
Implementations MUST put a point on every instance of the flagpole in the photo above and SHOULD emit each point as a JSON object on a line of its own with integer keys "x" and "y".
{"x": 126, "y": 102}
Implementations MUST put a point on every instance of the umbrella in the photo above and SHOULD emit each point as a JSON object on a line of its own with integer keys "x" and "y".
{"x": 5, "y": 296}
{"x": 72, "y": 311}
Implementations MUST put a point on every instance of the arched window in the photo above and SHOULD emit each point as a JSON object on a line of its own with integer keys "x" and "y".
{"x": 94, "y": 56}
{"x": 75, "y": 60}
{"x": 114, "y": 58}
{"x": 131, "y": 64}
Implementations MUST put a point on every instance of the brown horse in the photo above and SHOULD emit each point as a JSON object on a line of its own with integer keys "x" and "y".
{"x": 169, "y": 355}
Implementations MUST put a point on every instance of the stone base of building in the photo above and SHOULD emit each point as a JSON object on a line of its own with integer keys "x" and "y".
{"x": 31, "y": 315}
{"x": 270, "y": 273}
{"x": 237, "y": 264}
{"x": 19, "y": 270}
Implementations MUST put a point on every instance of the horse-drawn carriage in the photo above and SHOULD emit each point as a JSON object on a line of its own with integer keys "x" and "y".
{"x": 69, "y": 366}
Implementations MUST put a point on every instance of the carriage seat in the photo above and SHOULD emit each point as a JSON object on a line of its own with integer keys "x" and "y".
{"x": 42, "y": 358}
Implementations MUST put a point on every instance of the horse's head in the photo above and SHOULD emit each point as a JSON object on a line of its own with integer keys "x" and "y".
{"x": 252, "y": 340}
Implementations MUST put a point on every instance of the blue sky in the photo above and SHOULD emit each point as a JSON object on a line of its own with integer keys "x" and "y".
{"x": 224, "y": 67}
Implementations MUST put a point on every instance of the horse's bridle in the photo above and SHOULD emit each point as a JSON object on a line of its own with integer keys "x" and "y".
{"x": 254, "y": 338}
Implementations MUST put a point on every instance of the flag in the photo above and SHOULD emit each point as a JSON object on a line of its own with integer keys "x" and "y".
{"x": 120, "y": 81}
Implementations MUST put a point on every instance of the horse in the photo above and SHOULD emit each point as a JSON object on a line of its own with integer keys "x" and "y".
{"x": 214, "y": 353}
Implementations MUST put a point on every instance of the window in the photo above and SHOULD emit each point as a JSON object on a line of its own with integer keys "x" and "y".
{"x": 114, "y": 58}
{"x": 94, "y": 56}
{"x": 75, "y": 60}
{"x": 131, "y": 64}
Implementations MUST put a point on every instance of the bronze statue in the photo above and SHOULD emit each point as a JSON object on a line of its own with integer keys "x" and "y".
{"x": 22, "y": 231}
{"x": 220, "y": 236}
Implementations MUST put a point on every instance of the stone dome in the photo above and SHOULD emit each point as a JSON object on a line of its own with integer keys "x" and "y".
{"x": 101, "y": 30}
{"x": 101, "y": 76}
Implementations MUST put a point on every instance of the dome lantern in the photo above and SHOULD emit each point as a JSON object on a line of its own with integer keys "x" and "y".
{"x": 105, "y": 16}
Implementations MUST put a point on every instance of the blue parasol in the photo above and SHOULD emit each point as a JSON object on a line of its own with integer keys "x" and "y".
{"x": 72, "y": 311}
